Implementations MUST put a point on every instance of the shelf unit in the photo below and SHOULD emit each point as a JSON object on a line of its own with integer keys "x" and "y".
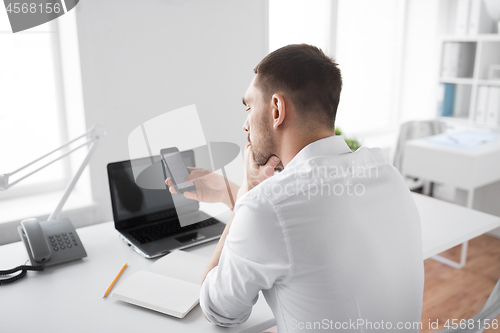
{"x": 485, "y": 48}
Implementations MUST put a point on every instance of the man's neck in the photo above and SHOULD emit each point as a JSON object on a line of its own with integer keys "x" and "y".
{"x": 295, "y": 142}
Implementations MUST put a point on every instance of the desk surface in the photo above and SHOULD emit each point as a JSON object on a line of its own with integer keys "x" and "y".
{"x": 446, "y": 225}
{"x": 70, "y": 295}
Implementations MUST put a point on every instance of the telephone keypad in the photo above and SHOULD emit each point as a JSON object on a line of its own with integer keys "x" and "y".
{"x": 62, "y": 241}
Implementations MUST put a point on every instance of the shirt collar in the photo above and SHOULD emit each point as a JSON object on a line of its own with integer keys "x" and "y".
{"x": 332, "y": 145}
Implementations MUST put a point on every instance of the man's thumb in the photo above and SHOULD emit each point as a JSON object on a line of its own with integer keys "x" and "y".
{"x": 191, "y": 195}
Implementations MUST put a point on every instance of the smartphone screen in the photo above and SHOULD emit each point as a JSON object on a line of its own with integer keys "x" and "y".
{"x": 178, "y": 170}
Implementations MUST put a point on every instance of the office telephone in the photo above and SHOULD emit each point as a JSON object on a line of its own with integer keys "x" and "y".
{"x": 51, "y": 242}
{"x": 48, "y": 243}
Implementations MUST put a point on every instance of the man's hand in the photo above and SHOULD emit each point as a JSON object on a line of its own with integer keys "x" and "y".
{"x": 210, "y": 187}
{"x": 254, "y": 173}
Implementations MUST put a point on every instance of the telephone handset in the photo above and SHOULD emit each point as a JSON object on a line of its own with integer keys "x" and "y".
{"x": 38, "y": 244}
{"x": 51, "y": 242}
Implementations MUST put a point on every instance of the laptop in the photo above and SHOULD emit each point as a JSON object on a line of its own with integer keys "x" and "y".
{"x": 145, "y": 216}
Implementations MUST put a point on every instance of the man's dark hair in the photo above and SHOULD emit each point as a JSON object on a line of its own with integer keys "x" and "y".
{"x": 311, "y": 80}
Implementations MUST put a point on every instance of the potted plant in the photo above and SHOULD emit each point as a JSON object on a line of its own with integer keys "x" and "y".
{"x": 352, "y": 143}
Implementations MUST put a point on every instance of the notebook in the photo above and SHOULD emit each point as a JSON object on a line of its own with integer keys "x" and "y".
{"x": 171, "y": 286}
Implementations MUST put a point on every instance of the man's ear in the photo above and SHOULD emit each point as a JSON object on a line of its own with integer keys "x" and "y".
{"x": 279, "y": 110}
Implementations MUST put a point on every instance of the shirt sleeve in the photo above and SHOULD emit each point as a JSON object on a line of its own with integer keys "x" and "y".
{"x": 254, "y": 258}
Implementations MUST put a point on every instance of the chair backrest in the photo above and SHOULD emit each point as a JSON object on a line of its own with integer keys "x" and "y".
{"x": 414, "y": 130}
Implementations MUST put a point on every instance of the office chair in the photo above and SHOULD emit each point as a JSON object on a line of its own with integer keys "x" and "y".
{"x": 415, "y": 130}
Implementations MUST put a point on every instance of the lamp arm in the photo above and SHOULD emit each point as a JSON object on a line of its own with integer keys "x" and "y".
{"x": 53, "y": 151}
{"x": 4, "y": 178}
{"x": 96, "y": 136}
{"x": 49, "y": 163}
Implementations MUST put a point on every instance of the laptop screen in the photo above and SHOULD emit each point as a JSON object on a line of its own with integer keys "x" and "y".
{"x": 134, "y": 205}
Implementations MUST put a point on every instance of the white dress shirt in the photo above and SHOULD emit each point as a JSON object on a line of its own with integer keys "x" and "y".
{"x": 333, "y": 242}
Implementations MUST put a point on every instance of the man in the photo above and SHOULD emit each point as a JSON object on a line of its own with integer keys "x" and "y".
{"x": 333, "y": 241}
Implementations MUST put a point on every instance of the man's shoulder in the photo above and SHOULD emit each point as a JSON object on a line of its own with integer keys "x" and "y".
{"x": 376, "y": 154}
{"x": 254, "y": 213}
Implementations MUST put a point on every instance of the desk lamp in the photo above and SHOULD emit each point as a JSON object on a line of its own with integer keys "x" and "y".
{"x": 53, "y": 241}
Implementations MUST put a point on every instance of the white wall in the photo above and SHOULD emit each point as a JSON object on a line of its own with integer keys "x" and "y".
{"x": 140, "y": 59}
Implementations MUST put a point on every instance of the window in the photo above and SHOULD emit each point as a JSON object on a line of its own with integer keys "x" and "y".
{"x": 365, "y": 37}
{"x": 300, "y": 21}
{"x": 31, "y": 119}
{"x": 369, "y": 52}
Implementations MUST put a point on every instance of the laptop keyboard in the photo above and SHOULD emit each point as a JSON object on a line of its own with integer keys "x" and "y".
{"x": 161, "y": 230}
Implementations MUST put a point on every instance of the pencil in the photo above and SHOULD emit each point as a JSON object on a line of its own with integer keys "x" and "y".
{"x": 114, "y": 281}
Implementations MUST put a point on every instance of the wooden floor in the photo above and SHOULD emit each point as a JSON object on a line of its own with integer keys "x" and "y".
{"x": 451, "y": 293}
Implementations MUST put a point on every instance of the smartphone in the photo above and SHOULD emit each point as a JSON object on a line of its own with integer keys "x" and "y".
{"x": 178, "y": 171}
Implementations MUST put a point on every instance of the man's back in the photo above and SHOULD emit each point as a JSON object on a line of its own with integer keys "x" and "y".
{"x": 333, "y": 242}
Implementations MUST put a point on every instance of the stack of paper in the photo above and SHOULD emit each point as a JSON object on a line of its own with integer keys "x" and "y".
{"x": 463, "y": 139}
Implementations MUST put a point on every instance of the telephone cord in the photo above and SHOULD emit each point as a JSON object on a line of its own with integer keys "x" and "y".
{"x": 23, "y": 269}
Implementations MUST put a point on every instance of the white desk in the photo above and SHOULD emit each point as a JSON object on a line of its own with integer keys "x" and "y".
{"x": 69, "y": 296}
{"x": 464, "y": 168}
{"x": 446, "y": 225}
